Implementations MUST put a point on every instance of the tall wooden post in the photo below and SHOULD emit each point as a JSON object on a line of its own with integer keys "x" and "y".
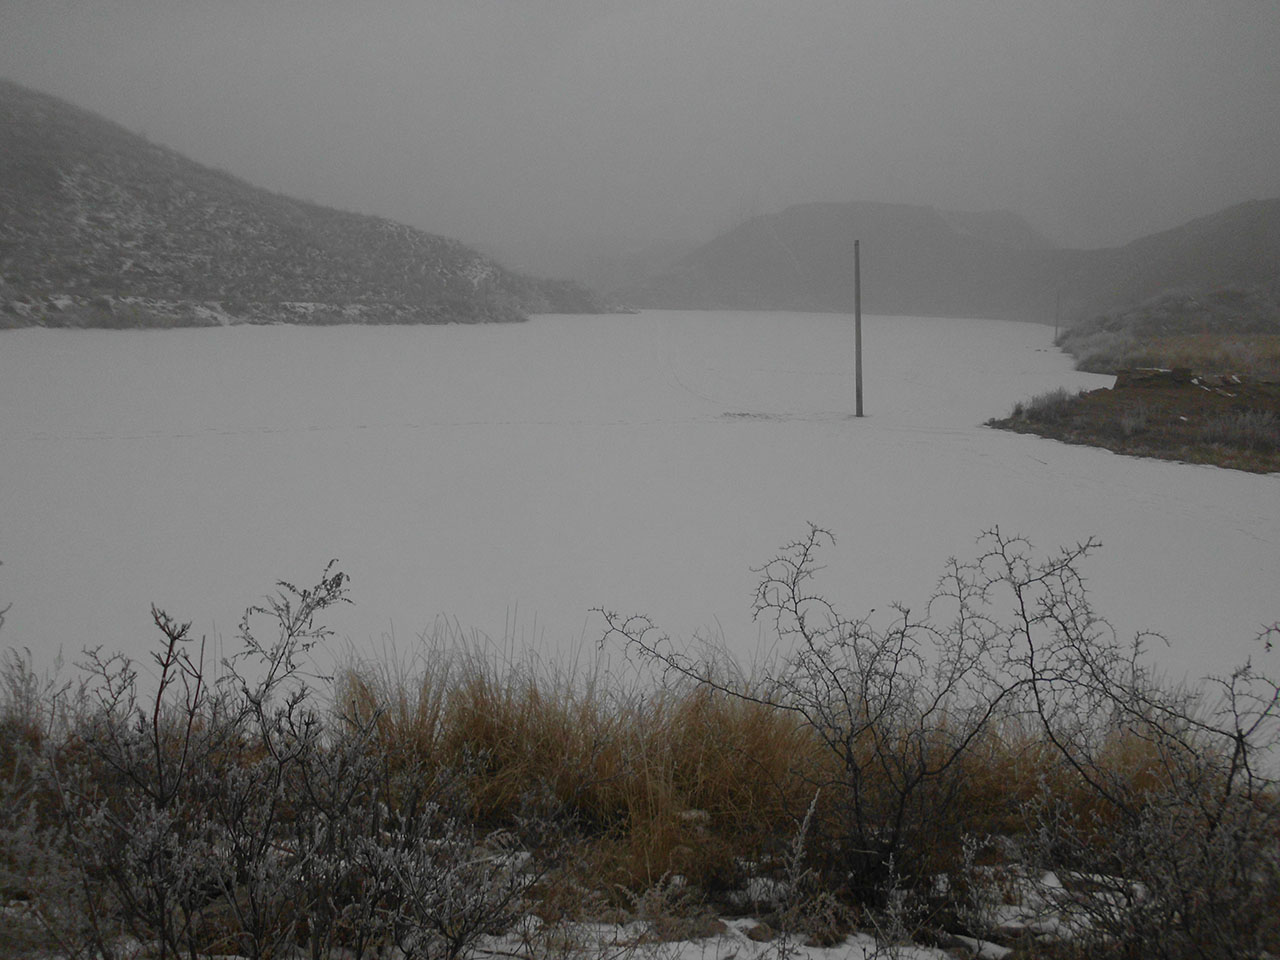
{"x": 857, "y": 326}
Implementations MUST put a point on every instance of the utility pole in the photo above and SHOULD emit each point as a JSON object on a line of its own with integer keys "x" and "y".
{"x": 857, "y": 326}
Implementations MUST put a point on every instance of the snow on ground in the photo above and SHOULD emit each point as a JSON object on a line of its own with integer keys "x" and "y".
{"x": 626, "y": 942}
{"x": 512, "y": 477}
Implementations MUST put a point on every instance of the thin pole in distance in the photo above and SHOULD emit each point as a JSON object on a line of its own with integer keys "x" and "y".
{"x": 857, "y": 326}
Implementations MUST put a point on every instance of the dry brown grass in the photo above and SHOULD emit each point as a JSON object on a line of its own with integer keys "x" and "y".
{"x": 657, "y": 781}
{"x": 1214, "y": 331}
{"x": 714, "y": 779}
{"x": 1252, "y": 354}
{"x": 687, "y": 780}
{"x": 506, "y": 728}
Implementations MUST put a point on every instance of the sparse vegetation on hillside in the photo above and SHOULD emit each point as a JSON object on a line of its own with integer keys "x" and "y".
{"x": 100, "y": 227}
{"x": 903, "y": 779}
{"x": 1198, "y": 380}
{"x": 1222, "y": 331}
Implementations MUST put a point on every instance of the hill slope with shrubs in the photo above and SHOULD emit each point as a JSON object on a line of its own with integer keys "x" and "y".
{"x": 99, "y": 227}
{"x": 1197, "y": 379}
{"x": 1218, "y": 330}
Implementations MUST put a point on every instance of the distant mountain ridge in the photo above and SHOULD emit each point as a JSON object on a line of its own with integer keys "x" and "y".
{"x": 923, "y": 261}
{"x": 100, "y": 227}
{"x": 1238, "y": 247}
{"x": 916, "y": 259}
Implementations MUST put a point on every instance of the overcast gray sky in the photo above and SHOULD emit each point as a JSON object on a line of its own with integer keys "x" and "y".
{"x": 519, "y": 122}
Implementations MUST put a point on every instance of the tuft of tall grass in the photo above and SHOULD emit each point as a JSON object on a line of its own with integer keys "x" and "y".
{"x": 1133, "y": 419}
{"x": 653, "y": 780}
{"x": 506, "y": 727}
{"x": 1053, "y": 406}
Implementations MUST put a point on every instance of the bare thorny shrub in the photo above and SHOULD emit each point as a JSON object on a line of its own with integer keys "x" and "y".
{"x": 237, "y": 817}
{"x": 1175, "y": 853}
{"x": 897, "y": 709}
{"x": 36, "y": 869}
{"x": 1169, "y": 816}
{"x": 174, "y": 800}
{"x": 912, "y": 713}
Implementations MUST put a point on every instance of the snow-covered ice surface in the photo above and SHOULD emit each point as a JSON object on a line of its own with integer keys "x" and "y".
{"x": 512, "y": 477}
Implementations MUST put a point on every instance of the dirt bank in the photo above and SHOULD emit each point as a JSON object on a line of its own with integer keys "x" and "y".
{"x": 1228, "y": 420}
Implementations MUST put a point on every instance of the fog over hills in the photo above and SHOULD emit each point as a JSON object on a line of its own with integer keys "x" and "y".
{"x": 100, "y": 227}
{"x": 103, "y": 228}
{"x": 1235, "y": 247}
{"x": 917, "y": 260}
{"x": 576, "y": 137}
{"x": 922, "y": 261}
